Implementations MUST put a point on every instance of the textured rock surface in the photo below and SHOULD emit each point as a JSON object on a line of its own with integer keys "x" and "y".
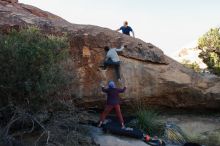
{"x": 149, "y": 74}
{"x": 11, "y": 1}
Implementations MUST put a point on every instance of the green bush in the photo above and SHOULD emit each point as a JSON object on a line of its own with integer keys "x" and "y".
{"x": 148, "y": 120}
{"x": 209, "y": 44}
{"x": 30, "y": 64}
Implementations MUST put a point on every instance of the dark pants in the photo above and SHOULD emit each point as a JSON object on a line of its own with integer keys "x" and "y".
{"x": 108, "y": 109}
{"x": 116, "y": 65}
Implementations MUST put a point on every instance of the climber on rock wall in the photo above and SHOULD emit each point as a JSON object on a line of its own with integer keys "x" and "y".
{"x": 112, "y": 59}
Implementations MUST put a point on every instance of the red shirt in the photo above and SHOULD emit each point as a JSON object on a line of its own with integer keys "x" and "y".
{"x": 113, "y": 95}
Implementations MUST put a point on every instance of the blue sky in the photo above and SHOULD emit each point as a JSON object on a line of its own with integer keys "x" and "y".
{"x": 168, "y": 24}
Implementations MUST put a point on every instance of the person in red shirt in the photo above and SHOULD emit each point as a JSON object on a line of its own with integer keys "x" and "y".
{"x": 112, "y": 102}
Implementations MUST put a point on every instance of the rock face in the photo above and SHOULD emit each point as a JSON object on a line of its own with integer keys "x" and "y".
{"x": 150, "y": 76}
{"x": 11, "y": 1}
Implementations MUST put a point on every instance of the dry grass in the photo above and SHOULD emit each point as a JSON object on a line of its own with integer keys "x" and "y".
{"x": 212, "y": 139}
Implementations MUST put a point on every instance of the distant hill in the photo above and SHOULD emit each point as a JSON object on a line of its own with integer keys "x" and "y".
{"x": 191, "y": 55}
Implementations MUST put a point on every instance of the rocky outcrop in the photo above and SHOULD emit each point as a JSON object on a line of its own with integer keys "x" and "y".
{"x": 11, "y": 1}
{"x": 150, "y": 76}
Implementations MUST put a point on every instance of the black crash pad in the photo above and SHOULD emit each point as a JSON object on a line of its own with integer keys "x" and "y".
{"x": 115, "y": 128}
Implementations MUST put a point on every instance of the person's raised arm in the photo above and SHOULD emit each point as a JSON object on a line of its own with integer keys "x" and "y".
{"x": 122, "y": 90}
{"x": 118, "y": 50}
{"x": 118, "y": 29}
{"x": 103, "y": 88}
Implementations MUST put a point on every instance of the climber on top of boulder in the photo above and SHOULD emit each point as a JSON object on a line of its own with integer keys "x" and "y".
{"x": 126, "y": 29}
{"x": 112, "y": 59}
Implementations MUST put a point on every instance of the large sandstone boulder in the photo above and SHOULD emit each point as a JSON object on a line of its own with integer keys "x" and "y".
{"x": 150, "y": 76}
{"x": 11, "y": 1}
